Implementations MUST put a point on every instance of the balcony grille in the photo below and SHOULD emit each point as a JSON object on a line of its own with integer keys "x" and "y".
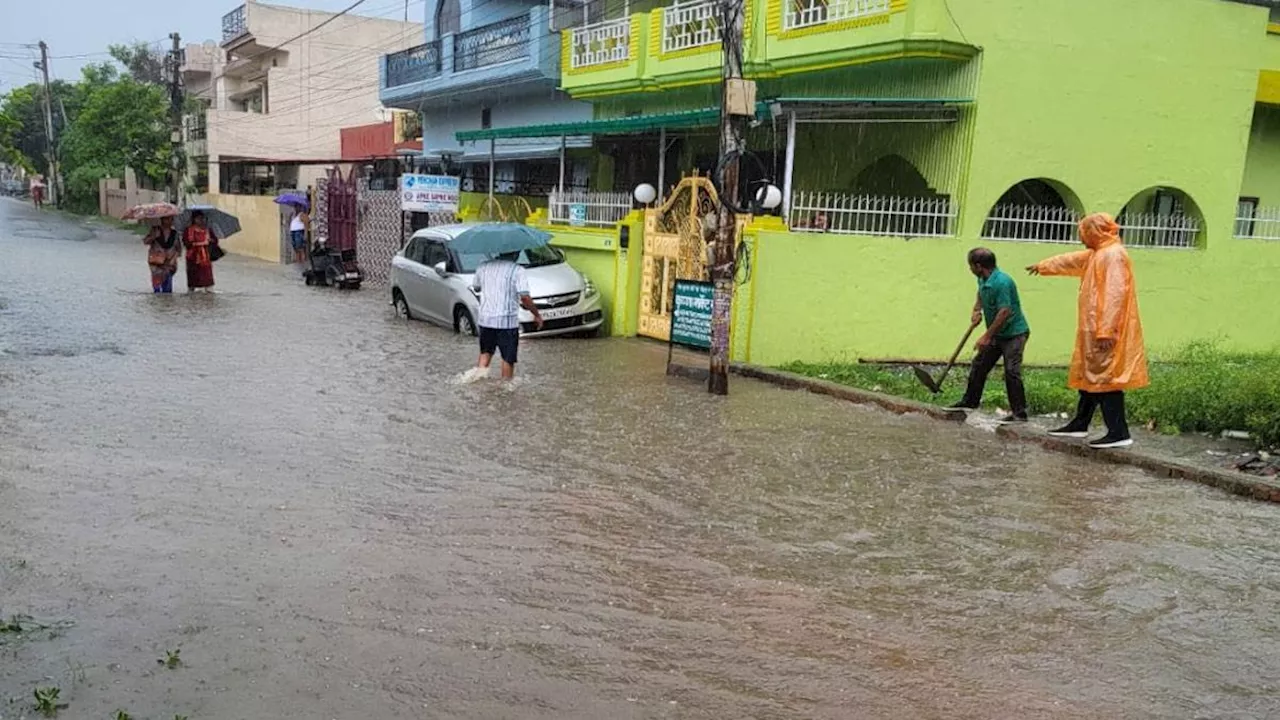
{"x": 413, "y": 65}
{"x": 235, "y": 23}
{"x": 690, "y": 25}
{"x": 810, "y": 13}
{"x": 499, "y": 42}
{"x": 602, "y": 43}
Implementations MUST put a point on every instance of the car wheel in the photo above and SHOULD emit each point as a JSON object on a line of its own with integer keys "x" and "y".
{"x": 463, "y": 323}
{"x": 402, "y": 305}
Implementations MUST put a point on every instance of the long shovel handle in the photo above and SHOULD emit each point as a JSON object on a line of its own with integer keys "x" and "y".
{"x": 959, "y": 348}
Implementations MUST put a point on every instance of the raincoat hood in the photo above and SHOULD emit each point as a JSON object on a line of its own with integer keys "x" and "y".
{"x": 1098, "y": 231}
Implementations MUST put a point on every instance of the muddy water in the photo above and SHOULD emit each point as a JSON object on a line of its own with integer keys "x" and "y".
{"x": 288, "y": 485}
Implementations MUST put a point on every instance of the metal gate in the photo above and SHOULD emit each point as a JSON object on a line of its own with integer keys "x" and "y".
{"x": 675, "y": 248}
{"x": 340, "y": 220}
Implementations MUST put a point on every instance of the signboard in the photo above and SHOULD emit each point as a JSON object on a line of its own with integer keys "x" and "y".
{"x": 691, "y": 314}
{"x": 578, "y": 214}
{"x": 429, "y": 193}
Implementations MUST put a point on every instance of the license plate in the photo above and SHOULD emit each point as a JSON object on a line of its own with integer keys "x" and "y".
{"x": 557, "y": 313}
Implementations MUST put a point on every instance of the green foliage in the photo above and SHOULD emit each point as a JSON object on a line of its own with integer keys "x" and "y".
{"x": 145, "y": 65}
{"x": 47, "y": 701}
{"x": 172, "y": 659}
{"x": 123, "y": 123}
{"x": 1199, "y": 389}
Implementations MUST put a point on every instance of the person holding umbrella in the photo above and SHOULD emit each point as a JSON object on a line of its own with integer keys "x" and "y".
{"x": 1109, "y": 356}
{"x": 299, "y": 224}
{"x": 502, "y": 287}
{"x": 202, "y": 250}
{"x": 163, "y": 249}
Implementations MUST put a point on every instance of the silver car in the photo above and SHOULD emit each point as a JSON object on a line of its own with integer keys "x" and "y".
{"x": 432, "y": 282}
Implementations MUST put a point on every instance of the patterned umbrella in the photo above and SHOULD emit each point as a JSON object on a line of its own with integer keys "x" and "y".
{"x": 222, "y": 223}
{"x": 293, "y": 198}
{"x": 152, "y": 211}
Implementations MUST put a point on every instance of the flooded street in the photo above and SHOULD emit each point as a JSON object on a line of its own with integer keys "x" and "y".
{"x": 289, "y": 485}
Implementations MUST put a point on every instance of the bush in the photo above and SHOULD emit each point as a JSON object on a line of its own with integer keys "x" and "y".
{"x": 1199, "y": 389}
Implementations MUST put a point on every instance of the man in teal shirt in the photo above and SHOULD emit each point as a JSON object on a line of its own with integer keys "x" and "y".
{"x": 1006, "y": 335}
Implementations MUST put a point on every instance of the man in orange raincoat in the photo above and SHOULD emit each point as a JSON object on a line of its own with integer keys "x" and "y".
{"x": 1109, "y": 356}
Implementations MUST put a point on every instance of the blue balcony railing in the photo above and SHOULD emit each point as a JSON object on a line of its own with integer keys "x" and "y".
{"x": 413, "y": 65}
{"x": 499, "y": 42}
{"x": 235, "y": 23}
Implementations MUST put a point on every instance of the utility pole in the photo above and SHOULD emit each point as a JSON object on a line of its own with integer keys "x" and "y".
{"x": 176, "y": 154}
{"x": 51, "y": 147}
{"x": 737, "y": 103}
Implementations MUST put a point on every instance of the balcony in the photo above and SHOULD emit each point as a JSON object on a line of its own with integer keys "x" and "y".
{"x": 679, "y": 45}
{"x": 235, "y": 24}
{"x": 505, "y": 54}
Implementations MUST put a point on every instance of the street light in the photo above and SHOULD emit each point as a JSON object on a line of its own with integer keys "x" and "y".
{"x": 645, "y": 193}
{"x": 769, "y": 196}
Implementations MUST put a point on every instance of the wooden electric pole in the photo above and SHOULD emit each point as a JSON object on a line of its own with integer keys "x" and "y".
{"x": 737, "y": 104}
{"x": 51, "y": 147}
{"x": 176, "y": 155}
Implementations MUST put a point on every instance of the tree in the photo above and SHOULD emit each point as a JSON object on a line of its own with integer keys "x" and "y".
{"x": 122, "y": 124}
{"x": 144, "y": 64}
{"x": 25, "y": 106}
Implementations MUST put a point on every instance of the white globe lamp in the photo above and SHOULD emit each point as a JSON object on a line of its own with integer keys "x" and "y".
{"x": 645, "y": 193}
{"x": 769, "y": 197}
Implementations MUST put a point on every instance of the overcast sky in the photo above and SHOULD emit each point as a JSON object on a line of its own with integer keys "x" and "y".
{"x": 87, "y": 27}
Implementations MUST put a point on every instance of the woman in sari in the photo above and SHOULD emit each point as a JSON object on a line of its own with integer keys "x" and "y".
{"x": 163, "y": 250}
{"x": 197, "y": 240}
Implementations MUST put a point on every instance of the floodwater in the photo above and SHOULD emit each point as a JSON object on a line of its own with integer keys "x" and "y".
{"x": 289, "y": 485}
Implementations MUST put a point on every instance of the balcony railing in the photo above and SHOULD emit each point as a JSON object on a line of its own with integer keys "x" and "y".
{"x": 1159, "y": 231}
{"x": 872, "y": 215}
{"x": 601, "y": 43}
{"x": 413, "y": 65}
{"x": 809, "y": 13}
{"x": 690, "y": 25}
{"x": 1257, "y": 223}
{"x": 499, "y": 42}
{"x": 588, "y": 209}
{"x": 1032, "y": 223}
{"x": 235, "y": 23}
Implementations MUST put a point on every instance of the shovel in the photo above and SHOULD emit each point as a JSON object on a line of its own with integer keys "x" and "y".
{"x": 935, "y": 386}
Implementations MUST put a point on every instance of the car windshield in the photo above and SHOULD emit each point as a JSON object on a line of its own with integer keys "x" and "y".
{"x": 531, "y": 258}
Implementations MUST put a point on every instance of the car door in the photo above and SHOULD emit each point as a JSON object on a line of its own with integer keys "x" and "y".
{"x": 437, "y": 288}
{"x": 412, "y": 276}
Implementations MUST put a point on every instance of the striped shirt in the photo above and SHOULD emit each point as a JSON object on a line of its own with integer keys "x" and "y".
{"x": 501, "y": 284}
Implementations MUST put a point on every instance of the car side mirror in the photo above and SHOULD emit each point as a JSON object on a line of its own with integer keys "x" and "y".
{"x": 441, "y": 269}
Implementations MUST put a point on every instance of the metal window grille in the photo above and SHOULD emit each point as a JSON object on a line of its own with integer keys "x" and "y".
{"x": 499, "y": 42}
{"x": 413, "y": 65}
{"x": 235, "y": 23}
{"x": 1159, "y": 230}
{"x": 197, "y": 127}
{"x": 691, "y": 24}
{"x": 872, "y": 215}
{"x": 1032, "y": 223}
{"x": 807, "y": 13}
{"x": 1257, "y": 223}
{"x": 594, "y": 209}
{"x": 601, "y": 43}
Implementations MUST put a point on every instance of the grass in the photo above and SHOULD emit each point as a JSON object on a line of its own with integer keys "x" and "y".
{"x": 47, "y": 701}
{"x": 1198, "y": 389}
{"x": 172, "y": 659}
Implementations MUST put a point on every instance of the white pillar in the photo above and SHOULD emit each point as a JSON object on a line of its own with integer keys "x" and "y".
{"x": 491, "y": 178}
{"x": 662, "y": 161}
{"x": 789, "y": 166}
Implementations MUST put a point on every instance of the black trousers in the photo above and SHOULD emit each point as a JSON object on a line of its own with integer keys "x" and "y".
{"x": 1011, "y": 350}
{"x": 1112, "y": 404}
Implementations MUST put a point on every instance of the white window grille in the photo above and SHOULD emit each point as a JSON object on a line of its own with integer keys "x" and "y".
{"x": 1032, "y": 223}
{"x": 872, "y": 215}
{"x": 1257, "y": 223}
{"x": 808, "y": 13}
{"x": 588, "y": 209}
{"x": 1159, "y": 230}
{"x": 602, "y": 43}
{"x": 690, "y": 24}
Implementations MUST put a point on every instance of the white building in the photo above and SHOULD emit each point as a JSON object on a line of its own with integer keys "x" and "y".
{"x": 277, "y": 89}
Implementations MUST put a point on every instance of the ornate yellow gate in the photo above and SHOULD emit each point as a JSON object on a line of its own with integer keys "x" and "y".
{"x": 675, "y": 247}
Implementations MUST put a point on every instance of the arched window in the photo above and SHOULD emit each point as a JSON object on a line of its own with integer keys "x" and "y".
{"x": 892, "y": 176}
{"x": 448, "y": 17}
{"x": 1035, "y": 210}
{"x": 1161, "y": 217}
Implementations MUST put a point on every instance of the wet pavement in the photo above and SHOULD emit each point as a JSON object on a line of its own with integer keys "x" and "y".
{"x": 289, "y": 485}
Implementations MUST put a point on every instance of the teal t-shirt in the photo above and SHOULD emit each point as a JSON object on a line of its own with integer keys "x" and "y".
{"x": 999, "y": 291}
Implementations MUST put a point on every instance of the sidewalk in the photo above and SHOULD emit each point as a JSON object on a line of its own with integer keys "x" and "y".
{"x": 1175, "y": 457}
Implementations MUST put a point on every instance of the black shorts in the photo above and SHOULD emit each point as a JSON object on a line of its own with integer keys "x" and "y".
{"x": 506, "y": 342}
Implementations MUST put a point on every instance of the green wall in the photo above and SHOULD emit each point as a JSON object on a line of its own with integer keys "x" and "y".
{"x": 823, "y": 297}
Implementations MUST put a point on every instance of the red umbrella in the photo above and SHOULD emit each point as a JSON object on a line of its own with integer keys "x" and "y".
{"x": 152, "y": 211}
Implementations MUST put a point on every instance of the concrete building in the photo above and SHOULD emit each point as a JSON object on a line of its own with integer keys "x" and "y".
{"x": 277, "y": 90}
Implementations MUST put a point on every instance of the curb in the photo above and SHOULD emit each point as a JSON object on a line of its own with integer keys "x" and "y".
{"x": 1235, "y": 483}
{"x": 892, "y": 403}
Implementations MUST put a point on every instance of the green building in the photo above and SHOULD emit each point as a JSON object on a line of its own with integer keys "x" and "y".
{"x": 904, "y": 132}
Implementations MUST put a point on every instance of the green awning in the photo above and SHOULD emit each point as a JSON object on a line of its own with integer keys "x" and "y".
{"x": 706, "y": 117}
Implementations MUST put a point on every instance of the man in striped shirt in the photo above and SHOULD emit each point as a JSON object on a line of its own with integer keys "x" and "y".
{"x": 504, "y": 289}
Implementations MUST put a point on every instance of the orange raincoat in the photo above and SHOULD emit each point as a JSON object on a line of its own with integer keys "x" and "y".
{"x": 1107, "y": 310}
